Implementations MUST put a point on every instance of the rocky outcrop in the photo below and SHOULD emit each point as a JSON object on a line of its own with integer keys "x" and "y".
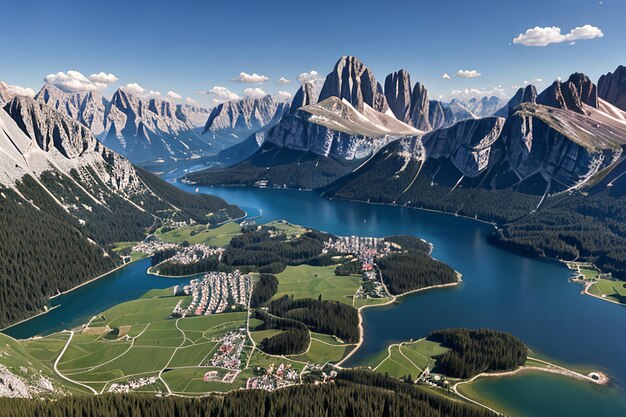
{"x": 353, "y": 81}
{"x": 89, "y": 108}
{"x": 527, "y": 94}
{"x": 420, "y": 108}
{"x": 409, "y": 106}
{"x": 398, "y": 94}
{"x": 612, "y": 87}
{"x": 305, "y": 96}
{"x": 299, "y": 132}
{"x": 245, "y": 114}
{"x": 570, "y": 94}
{"x": 467, "y": 144}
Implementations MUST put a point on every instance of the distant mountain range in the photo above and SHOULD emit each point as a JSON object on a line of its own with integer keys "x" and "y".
{"x": 65, "y": 198}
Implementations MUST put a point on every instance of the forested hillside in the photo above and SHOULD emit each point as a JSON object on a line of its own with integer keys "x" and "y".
{"x": 343, "y": 399}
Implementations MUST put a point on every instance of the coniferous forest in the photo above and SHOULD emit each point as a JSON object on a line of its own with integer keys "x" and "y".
{"x": 353, "y": 395}
{"x": 412, "y": 270}
{"x": 475, "y": 351}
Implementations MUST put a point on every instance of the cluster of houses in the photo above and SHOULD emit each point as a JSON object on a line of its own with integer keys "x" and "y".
{"x": 228, "y": 355}
{"x": 194, "y": 254}
{"x": 365, "y": 249}
{"x": 152, "y": 245}
{"x": 318, "y": 374}
{"x": 132, "y": 385}
{"x": 433, "y": 380}
{"x": 273, "y": 377}
{"x": 214, "y": 294}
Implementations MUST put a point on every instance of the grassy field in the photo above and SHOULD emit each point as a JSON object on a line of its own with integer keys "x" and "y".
{"x": 219, "y": 236}
{"x": 410, "y": 358}
{"x": 361, "y": 302}
{"x": 306, "y": 281}
{"x": 130, "y": 340}
{"x": 613, "y": 290}
{"x": 321, "y": 351}
{"x": 291, "y": 230}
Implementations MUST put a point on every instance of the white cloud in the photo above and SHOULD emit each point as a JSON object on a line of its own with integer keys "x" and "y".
{"x": 75, "y": 82}
{"x": 134, "y": 88}
{"x": 310, "y": 77}
{"x": 468, "y": 73}
{"x": 467, "y": 93}
{"x": 283, "y": 96}
{"x": 172, "y": 95}
{"x": 220, "y": 94}
{"x": 16, "y": 90}
{"x": 154, "y": 94}
{"x": 445, "y": 76}
{"x": 542, "y": 36}
{"x": 254, "y": 92}
{"x": 104, "y": 78}
{"x": 283, "y": 80}
{"x": 254, "y": 78}
{"x": 189, "y": 100}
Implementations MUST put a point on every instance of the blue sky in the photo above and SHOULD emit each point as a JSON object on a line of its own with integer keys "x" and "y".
{"x": 187, "y": 47}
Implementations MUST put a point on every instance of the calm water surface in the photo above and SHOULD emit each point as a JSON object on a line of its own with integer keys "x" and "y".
{"x": 530, "y": 298}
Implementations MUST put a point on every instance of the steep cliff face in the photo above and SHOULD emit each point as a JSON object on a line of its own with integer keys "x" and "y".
{"x": 566, "y": 149}
{"x": 306, "y": 95}
{"x": 570, "y": 94}
{"x": 333, "y": 127}
{"x": 409, "y": 106}
{"x": 353, "y": 81}
{"x": 420, "y": 108}
{"x": 89, "y": 108}
{"x": 612, "y": 87}
{"x": 398, "y": 94}
{"x": 467, "y": 144}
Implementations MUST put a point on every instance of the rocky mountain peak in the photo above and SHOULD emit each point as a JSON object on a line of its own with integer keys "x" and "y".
{"x": 612, "y": 87}
{"x": 570, "y": 94}
{"x": 49, "y": 129}
{"x": 527, "y": 94}
{"x": 398, "y": 94}
{"x": 244, "y": 114}
{"x": 420, "y": 107}
{"x": 305, "y": 96}
{"x": 353, "y": 81}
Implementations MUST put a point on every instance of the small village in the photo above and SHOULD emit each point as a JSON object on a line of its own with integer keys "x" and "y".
{"x": 273, "y": 377}
{"x": 152, "y": 245}
{"x": 366, "y": 250}
{"x": 231, "y": 346}
{"x": 214, "y": 294}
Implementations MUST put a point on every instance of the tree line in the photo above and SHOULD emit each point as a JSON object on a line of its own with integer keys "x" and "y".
{"x": 343, "y": 399}
{"x": 472, "y": 352}
{"x": 412, "y": 270}
{"x": 322, "y": 316}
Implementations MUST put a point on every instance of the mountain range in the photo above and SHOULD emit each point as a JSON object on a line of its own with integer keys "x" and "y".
{"x": 69, "y": 199}
{"x": 556, "y": 154}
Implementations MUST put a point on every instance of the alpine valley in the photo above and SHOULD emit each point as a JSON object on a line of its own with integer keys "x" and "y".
{"x": 348, "y": 246}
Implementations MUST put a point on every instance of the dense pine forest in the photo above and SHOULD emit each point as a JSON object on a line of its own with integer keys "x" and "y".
{"x": 412, "y": 270}
{"x": 294, "y": 340}
{"x": 271, "y": 253}
{"x": 342, "y": 399}
{"x": 46, "y": 248}
{"x": 295, "y": 169}
{"x": 475, "y": 351}
{"x": 322, "y": 316}
{"x": 263, "y": 290}
{"x": 587, "y": 226}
